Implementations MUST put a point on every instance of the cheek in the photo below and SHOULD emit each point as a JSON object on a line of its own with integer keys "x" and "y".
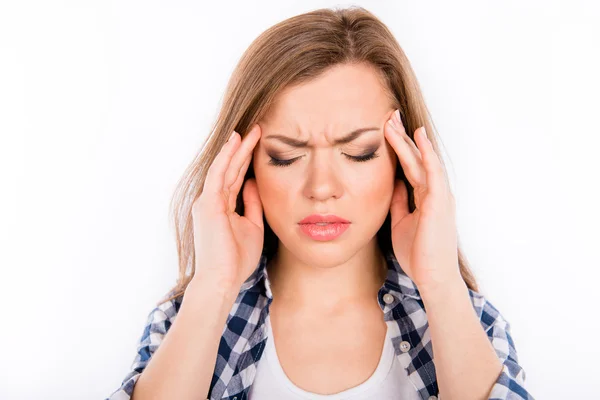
{"x": 273, "y": 187}
{"x": 372, "y": 187}
{"x": 277, "y": 196}
{"x": 376, "y": 189}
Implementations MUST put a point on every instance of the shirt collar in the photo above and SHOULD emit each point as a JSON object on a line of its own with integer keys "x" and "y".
{"x": 397, "y": 280}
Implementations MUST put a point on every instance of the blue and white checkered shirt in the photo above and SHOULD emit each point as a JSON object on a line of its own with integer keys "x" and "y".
{"x": 245, "y": 335}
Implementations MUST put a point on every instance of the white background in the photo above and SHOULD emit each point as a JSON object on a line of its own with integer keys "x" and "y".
{"x": 104, "y": 103}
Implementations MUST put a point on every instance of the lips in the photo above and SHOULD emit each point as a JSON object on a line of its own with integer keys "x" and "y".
{"x": 323, "y": 219}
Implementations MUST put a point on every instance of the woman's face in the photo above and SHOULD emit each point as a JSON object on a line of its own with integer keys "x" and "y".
{"x": 321, "y": 177}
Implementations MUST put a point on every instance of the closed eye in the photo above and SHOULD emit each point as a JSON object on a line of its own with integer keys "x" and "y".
{"x": 362, "y": 158}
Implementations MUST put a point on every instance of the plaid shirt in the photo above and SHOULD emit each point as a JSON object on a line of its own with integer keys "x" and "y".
{"x": 244, "y": 338}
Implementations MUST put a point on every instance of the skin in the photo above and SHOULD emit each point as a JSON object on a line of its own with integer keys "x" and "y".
{"x": 323, "y": 288}
{"x": 325, "y": 275}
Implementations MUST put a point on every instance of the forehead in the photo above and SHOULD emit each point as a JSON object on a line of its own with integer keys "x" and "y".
{"x": 343, "y": 97}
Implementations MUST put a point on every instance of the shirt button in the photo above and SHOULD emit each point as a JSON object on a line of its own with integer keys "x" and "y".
{"x": 432, "y": 398}
{"x": 404, "y": 346}
{"x": 388, "y": 298}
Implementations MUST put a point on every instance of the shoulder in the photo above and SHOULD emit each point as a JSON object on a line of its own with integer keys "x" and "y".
{"x": 162, "y": 316}
{"x": 487, "y": 313}
{"x": 498, "y": 330}
{"x": 158, "y": 322}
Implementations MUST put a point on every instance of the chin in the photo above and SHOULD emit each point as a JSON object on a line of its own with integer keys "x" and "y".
{"x": 318, "y": 254}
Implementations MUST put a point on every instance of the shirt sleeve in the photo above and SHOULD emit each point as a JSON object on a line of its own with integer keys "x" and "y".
{"x": 510, "y": 384}
{"x": 158, "y": 323}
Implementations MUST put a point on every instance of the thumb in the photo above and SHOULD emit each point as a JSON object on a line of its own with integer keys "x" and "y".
{"x": 399, "y": 207}
{"x": 253, "y": 209}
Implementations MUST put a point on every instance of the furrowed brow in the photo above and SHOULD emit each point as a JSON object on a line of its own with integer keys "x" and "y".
{"x": 343, "y": 140}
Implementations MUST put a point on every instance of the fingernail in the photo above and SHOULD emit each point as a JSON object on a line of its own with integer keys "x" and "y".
{"x": 231, "y": 137}
{"x": 397, "y": 112}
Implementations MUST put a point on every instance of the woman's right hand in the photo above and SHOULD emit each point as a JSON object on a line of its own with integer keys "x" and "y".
{"x": 228, "y": 246}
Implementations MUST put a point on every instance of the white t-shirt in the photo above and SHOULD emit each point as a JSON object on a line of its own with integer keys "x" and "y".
{"x": 389, "y": 381}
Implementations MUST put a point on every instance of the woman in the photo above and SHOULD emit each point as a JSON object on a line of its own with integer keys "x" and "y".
{"x": 312, "y": 245}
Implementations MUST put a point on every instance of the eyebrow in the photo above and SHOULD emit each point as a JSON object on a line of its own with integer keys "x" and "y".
{"x": 343, "y": 140}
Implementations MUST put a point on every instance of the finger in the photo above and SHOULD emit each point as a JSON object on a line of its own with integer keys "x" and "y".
{"x": 436, "y": 180}
{"x": 215, "y": 176}
{"x": 397, "y": 122}
{"x": 240, "y": 156}
{"x": 245, "y": 150}
{"x": 235, "y": 188}
{"x": 411, "y": 164}
{"x": 253, "y": 209}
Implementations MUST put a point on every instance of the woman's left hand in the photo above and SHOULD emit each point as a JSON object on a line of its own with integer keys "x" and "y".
{"x": 425, "y": 241}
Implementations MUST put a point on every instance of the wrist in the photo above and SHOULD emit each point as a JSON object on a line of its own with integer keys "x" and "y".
{"x": 216, "y": 288}
{"x": 207, "y": 304}
{"x": 442, "y": 287}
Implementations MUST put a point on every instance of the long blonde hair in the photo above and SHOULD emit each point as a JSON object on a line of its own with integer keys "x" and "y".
{"x": 292, "y": 52}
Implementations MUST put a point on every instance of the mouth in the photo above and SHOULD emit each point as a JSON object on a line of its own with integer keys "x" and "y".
{"x": 323, "y": 220}
{"x": 324, "y": 231}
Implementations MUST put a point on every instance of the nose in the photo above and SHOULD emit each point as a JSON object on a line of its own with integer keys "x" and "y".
{"x": 322, "y": 179}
